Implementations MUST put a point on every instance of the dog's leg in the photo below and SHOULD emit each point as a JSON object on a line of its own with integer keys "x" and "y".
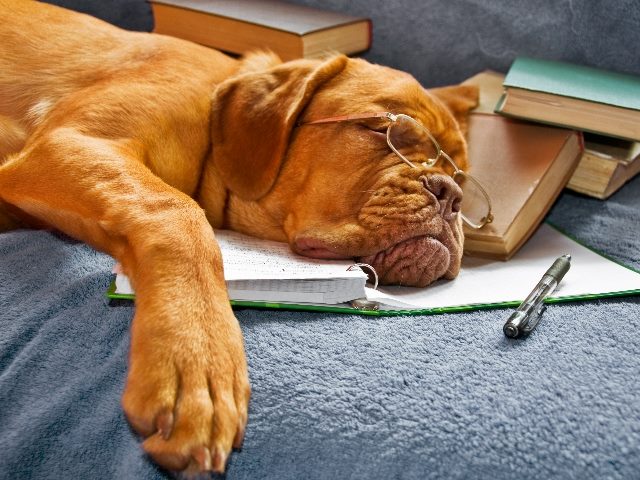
{"x": 187, "y": 389}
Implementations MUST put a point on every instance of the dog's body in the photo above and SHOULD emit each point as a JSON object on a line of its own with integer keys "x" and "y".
{"x": 139, "y": 143}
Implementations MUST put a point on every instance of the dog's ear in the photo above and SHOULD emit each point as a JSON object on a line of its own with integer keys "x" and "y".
{"x": 460, "y": 100}
{"x": 253, "y": 115}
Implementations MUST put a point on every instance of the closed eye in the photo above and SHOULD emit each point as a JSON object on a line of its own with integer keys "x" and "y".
{"x": 379, "y": 135}
{"x": 378, "y": 130}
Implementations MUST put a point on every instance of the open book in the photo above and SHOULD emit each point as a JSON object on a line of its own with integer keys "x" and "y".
{"x": 261, "y": 273}
{"x": 267, "y": 271}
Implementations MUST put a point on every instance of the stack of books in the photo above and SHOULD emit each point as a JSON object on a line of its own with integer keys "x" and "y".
{"x": 604, "y": 105}
{"x": 546, "y": 126}
{"x": 523, "y": 166}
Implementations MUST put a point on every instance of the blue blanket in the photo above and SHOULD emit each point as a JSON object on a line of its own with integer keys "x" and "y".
{"x": 336, "y": 396}
{"x": 339, "y": 396}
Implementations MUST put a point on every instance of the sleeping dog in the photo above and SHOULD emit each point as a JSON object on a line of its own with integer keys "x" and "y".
{"x": 141, "y": 144}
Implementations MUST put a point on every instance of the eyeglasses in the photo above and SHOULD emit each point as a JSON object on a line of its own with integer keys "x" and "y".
{"x": 415, "y": 146}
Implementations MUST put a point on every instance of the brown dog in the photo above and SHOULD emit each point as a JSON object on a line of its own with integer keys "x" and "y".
{"x": 138, "y": 144}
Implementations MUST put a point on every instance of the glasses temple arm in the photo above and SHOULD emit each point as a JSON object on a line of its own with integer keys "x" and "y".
{"x": 346, "y": 118}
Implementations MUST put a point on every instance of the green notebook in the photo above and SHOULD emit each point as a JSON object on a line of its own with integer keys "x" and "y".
{"x": 574, "y": 96}
{"x": 482, "y": 283}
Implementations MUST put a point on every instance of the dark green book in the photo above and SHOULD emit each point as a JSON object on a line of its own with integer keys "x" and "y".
{"x": 578, "y": 97}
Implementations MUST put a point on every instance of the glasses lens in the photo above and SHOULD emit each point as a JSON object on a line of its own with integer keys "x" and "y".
{"x": 475, "y": 208}
{"x": 412, "y": 141}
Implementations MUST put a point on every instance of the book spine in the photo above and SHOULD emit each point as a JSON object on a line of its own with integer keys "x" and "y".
{"x": 223, "y": 33}
{"x": 500, "y": 105}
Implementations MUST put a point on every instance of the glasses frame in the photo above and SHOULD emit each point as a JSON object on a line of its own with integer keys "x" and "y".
{"x": 458, "y": 175}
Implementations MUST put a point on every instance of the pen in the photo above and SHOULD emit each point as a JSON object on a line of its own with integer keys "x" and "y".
{"x": 527, "y": 315}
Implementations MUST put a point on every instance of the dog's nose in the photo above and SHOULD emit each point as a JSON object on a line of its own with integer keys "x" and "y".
{"x": 447, "y": 192}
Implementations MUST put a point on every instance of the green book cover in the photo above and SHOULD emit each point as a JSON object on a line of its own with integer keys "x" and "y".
{"x": 575, "y": 81}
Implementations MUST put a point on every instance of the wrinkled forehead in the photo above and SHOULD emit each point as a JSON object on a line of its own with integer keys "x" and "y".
{"x": 363, "y": 87}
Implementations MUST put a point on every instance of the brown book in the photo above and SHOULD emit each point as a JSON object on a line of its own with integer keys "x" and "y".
{"x": 606, "y": 165}
{"x": 237, "y": 26}
{"x": 524, "y": 167}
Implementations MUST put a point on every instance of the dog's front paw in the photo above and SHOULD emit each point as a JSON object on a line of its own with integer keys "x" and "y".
{"x": 188, "y": 390}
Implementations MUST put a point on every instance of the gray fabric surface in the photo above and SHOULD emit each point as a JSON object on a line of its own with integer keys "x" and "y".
{"x": 129, "y": 14}
{"x": 336, "y": 396}
{"x": 442, "y": 42}
{"x": 339, "y": 396}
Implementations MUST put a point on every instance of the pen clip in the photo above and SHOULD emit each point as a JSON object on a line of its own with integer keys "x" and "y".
{"x": 534, "y": 319}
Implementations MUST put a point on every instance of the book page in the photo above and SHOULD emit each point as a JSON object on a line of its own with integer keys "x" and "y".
{"x": 263, "y": 270}
{"x": 485, "y": 281}
{"x": 249, "y": 258}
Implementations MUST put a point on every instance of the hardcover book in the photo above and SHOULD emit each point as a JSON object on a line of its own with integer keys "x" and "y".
{"x": 523, "y": 167}
{"x": 579, "y": 97}
{"x": 606, "y": 165}
{"x": 237, "y": 26}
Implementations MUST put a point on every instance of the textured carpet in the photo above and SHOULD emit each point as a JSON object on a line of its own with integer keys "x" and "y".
{"x": 336, "y": 396}
{"x": 444, "y": 396}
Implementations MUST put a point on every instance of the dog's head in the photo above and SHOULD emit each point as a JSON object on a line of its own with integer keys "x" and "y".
{"x": 336, "y": 189}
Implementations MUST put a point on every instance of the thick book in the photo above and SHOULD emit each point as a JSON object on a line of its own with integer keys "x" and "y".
{"x": 574, "y": 96}
{"x": 237, "y": 26}
{"x": 523, "y": 167}
{"x": 606, "y": 165}
{"x": 482, "y": 283}
{"x": 268, "y": 271}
